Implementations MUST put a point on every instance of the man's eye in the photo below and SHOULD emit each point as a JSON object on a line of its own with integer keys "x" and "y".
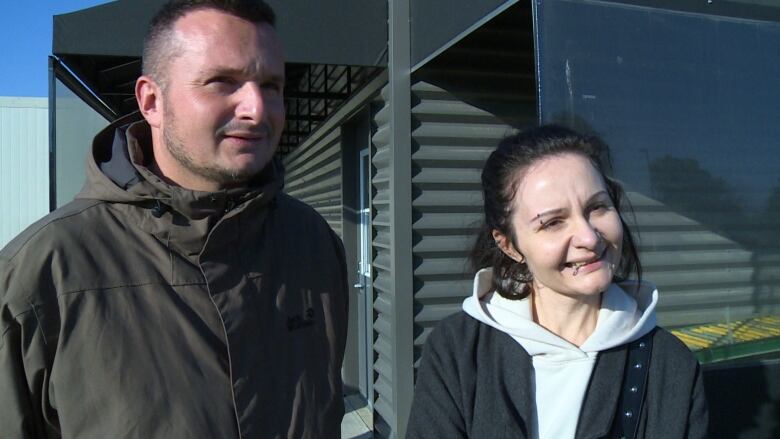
{"x": 272, "y": 87}
{"x": 221, "y": 80}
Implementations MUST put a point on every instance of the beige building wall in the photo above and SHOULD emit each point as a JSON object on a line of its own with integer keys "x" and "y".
{"x": 24, "y": 163}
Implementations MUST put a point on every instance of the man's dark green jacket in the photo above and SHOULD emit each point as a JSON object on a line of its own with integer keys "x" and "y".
{"x": 143, "y": 310}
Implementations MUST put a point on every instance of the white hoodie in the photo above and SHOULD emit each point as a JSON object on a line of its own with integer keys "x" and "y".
{"x": 562, "y": 370}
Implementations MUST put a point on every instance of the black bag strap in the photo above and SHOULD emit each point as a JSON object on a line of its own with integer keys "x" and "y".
{"x": 634, "y": 385}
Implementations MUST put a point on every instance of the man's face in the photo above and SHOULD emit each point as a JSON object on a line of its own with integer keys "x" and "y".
{"x": 222, "y": 103}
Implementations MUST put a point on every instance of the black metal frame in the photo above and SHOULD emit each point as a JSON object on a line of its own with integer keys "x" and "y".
{"x": 313, "y": 93}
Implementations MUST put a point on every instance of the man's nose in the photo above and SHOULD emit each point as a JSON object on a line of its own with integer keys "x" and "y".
{"x": 251, "y": 103}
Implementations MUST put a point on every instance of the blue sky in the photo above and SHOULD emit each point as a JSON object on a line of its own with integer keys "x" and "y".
{"x": 25, "y": 43}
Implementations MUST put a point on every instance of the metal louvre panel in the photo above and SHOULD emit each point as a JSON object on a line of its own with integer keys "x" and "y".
{"x": 452, "y": 139}
{"x": 702, "y": 276}
{"x": 383, "y": 275}
{"x": 313, "y": 175}
{"x": 464, "y": 102}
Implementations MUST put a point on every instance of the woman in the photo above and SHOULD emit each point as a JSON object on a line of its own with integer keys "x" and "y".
{"x": 555, "y": 342}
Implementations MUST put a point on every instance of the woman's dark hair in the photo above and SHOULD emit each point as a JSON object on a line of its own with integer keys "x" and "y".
{"x": 500, "y": 178}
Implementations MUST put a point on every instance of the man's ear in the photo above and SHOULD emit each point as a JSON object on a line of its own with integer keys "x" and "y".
{"x": 148, "y": 94}
{"x": 505, "y": 245}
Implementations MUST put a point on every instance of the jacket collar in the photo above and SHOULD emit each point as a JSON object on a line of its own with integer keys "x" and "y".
{"x": 117, "y": 173}
{"x": 190, "y": 203}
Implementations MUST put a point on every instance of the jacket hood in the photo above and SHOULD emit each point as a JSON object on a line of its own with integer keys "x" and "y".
{"x": 623, "y": 317}
{"x": 117, "y": 172}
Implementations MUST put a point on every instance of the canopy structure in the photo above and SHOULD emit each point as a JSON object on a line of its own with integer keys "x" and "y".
{"x": 331, "y": 48}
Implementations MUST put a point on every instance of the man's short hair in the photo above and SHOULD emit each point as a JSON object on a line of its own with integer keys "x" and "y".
{"x": 159, "y": 44}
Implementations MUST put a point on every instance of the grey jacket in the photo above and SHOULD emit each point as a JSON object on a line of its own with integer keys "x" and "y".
{"x": 142, "y": 310}
{"x": 476, "y": 382}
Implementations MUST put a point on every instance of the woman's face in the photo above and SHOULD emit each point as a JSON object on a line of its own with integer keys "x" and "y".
{"x": 566, "y": 228}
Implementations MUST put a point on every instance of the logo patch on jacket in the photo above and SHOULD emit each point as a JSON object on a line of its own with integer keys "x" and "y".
{"x": 297, "y": 321}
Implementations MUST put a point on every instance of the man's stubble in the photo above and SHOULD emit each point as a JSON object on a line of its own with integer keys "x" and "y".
{"x": 211, "y": 172}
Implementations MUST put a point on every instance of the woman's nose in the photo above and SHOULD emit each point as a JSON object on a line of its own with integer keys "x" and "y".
{"x": 586, "y": 236}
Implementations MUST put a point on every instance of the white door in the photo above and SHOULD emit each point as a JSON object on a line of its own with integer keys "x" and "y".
{"x": 365, "y": 294}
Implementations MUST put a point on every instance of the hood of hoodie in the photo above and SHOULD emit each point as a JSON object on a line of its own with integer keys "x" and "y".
{"x": 118, "y": 173}
{"x": 623, "y": 317}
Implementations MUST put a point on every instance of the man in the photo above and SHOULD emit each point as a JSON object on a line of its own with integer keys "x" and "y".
{"x": 181, "y": 295}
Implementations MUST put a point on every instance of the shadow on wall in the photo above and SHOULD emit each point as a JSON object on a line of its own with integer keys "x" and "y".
{"x": 689, "y": 189}
{"x": 686, "y": 187}
{"x": 767, "y": 260}
{"x": 744, "y": 400}
{"x": 492, "y": 68}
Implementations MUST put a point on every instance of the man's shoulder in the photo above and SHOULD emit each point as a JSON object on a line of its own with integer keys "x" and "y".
{"x": 295, "y": 206}
{"x": 304, "y": 228}
{"x": 59, "y": 224}
{"x": 25, "y": 274}
{"x": 295, "y": 210}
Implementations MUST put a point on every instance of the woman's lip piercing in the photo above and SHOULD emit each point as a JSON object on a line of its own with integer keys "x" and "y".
{"x": 580, "y": 265}
{"x": 576, "y": 267}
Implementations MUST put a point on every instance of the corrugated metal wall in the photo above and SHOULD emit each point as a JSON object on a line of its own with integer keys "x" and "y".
{"x": 466, "y": 101}
{"x": 24, "y": 163}
{"x": 383, "y": 278}
{"x": 462, "y": 103}
{"x": 452, "y": 140}
{"x": 313, "y": 175}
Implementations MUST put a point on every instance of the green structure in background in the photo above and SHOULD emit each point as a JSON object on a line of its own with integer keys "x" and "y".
{"x": 728, "y": 341}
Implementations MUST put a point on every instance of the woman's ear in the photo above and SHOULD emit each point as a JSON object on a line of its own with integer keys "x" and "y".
{"x": 505, "y": 245}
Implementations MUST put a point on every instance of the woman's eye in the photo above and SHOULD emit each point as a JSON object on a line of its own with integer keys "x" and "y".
{"x": 600, "y": 207}
{"x": 551, "y": 224}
